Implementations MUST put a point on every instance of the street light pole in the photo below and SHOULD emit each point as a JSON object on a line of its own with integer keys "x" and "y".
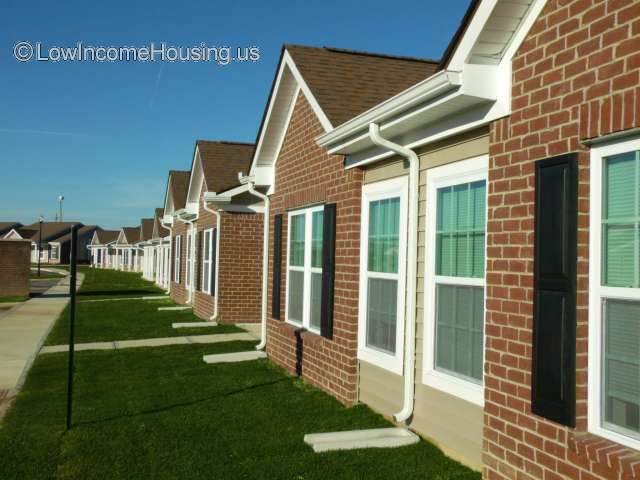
{"x": 60, "y": 200}
{"x": 40, "y": 243}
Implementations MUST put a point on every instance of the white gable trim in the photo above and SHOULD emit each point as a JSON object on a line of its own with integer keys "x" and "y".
{"x": 196, "y": 181}
{"x": 287, "y": 66}
{"x": 13, "y": 232}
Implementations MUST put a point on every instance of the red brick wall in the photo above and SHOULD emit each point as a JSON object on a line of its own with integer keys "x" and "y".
{"x": 15, "y": 264}
{"x": 306, "y": 174}
{"x": 178, "y": 290}
{"x": 240, "y": 267}
{"x": 576, "y": 76}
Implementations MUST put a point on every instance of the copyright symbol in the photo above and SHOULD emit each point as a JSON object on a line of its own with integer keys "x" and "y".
{"x": 23, "y": 51}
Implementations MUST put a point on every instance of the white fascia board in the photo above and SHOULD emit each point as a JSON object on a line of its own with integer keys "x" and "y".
{"x": 226, "y": 197}
{"x": 427, "y": 89}
{"x": 471, "y": 34}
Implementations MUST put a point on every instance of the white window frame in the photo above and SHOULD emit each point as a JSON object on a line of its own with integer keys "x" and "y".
{"x": 207, "y": 243}
{"x": 597, "y": 293}
{"x": 176, "y": 260}
{"x": 306, "y": 269}
{"x": 189, "y": 260}
{"x": 397, "y": 187}
{"x": 463, "y": 171}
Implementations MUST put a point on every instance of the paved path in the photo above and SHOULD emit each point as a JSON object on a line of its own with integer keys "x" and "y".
{"x": 22, "y": 332}
{"x": 154, "y": 342}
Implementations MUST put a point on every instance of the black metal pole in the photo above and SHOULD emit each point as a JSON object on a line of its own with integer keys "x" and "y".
{"x": 72, "y": 320}
{"x": 39, "y": 247}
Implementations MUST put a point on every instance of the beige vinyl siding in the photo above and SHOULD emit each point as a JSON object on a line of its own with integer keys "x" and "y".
{"x": 453, "y": 424}
{"x": 386, "y": 170}
{"x": 380, "y": 389}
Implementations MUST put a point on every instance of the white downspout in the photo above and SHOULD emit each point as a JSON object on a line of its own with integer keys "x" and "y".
{"x": 410, "y": 323}
{"x": 167, "y": 268}
{"x": 265, "y": 265}
{"x": 214, "y": 317}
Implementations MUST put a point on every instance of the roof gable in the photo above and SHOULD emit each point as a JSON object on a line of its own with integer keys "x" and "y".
{"x": 338, "y": 84}
{"x": 146, "y": 229}
{"x": 176, "y": 193}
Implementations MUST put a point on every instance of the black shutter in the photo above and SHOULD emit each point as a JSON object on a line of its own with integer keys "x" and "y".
{"x": 214, "y": 255}
{"x": 198, "y": 261}
{"x": 277, "y": 260}
{"x": 553, "y": 386}
{"x": 328, "y": 269}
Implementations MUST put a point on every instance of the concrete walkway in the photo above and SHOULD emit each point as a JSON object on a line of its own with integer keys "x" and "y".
{"x": 153, "y": 342}
{"x": 22, "y": 332}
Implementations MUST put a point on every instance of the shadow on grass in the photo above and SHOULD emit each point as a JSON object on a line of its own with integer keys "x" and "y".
{"x": 119, "y": 293}
{"x": 181, "y": 405}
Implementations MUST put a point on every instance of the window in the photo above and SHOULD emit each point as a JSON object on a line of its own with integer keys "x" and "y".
{"x": 614, "y": 297}
{"x": 54, "y": 252}
{"x": 207, "y": 255}
{"x": 455, "y": 278}
{"x": 304, "y": 271}
{"x": 189, "y": 260}
{"x": 382, "y": 274}
{"x": 176, "y": 259}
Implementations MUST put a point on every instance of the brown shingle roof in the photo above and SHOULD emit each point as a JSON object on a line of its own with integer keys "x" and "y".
{"x": 346, "y": 83}
{"x": 131, "y": 234}
{"x": 8, "y": 226}
{"x": 81, "y": 231}
{"x": 221, "y": 162}
{"x": 146, "y": 229}
{"x": 179, "y": 181}
{"x": 50, "y": 230}
{"x": 106, "y": 236}
{"x": 158, "y": 230}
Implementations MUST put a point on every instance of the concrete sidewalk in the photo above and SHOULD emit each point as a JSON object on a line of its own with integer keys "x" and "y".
{"x": 22, "y": 332}
{"x": 154, "y": 342}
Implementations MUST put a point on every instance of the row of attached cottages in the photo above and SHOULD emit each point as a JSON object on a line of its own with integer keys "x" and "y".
{"x": 455, "y": 243}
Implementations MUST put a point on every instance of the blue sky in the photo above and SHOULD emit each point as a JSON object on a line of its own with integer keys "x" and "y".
{"x": 105, "y": 135}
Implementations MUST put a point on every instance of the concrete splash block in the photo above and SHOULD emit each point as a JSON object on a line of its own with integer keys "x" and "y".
{"x": 234, "y": 357}
{"x": 373, "y": 438}
{"x": 164, "y": 309}
{"x": 155, "y": 297}
{"x": 194, "y": 324}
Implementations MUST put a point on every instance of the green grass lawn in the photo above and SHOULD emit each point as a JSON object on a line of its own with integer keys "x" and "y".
{"x": 111, "y": 320}
{"x": 13, "y": 299}
{"x": 162, "y": 413}
{"x": 103, "y": 283}
{"x": 127, "y": 320}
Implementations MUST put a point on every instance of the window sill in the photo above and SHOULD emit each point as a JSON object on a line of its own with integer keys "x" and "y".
{"x": 386, "y": 361}
{"x": 617, "y": 457}
{"x": 458, "y": 387}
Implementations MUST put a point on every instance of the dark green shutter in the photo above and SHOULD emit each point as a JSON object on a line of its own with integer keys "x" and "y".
{"x": 277, "y": 260}
{"x": 553, "y": 386}
{"x": 328, "y": 270}
{"x": 213, "y": 256}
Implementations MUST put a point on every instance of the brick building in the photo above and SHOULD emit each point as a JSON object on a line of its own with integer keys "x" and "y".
{"x": 315, "y": 204}
{"x": 15, "y": 267}
{"x": 226, "y": 237}
{"x": 550, "y": 89}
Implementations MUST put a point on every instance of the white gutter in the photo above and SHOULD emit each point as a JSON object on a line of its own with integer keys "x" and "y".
{"x": 427, "y": 89}
{"x": 214, "y": 317}
{"x": 170, "y": 249}
{"x": 250, "y": 182}
{"x": 412, "y": 258}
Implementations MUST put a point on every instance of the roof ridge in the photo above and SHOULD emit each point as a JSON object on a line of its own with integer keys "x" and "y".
{"x": 368, "y": 54}
{"x": 226, "y": 142}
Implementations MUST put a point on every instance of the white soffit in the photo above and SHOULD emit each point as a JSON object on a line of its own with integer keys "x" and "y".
{"x": 499, "y": 31}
